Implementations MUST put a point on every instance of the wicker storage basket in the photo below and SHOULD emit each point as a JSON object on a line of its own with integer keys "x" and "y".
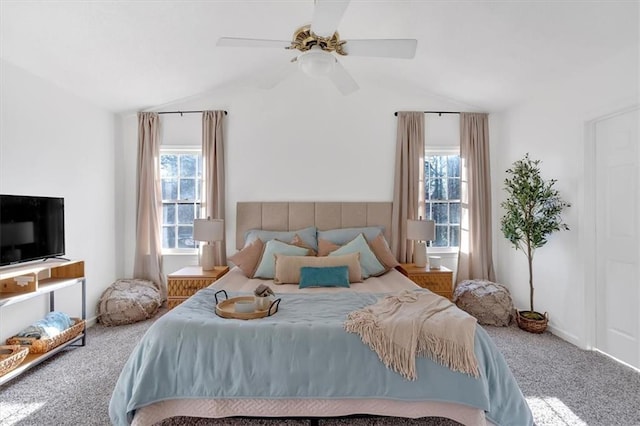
{"x": 532, "y": 325}
{"x": 11, "y": 356}
{"x": 40, "y": 346}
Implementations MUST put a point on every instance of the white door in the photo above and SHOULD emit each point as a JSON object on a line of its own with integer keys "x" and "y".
{"x": 618, "y": 237}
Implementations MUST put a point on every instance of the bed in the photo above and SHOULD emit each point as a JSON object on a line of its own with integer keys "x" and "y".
{"x": 300, "y": 362}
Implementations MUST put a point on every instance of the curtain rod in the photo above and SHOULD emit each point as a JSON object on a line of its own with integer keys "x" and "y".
{"x": 435, "y": 112}
{"x": 184, "y": 112}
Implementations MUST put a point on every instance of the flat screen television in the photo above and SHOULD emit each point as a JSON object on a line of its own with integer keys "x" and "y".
{"x": 31, "y": 228}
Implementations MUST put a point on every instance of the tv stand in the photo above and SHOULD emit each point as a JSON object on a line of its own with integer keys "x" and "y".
{"x": 24, "y": 282}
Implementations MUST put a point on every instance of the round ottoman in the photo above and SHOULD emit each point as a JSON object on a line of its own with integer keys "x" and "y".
{"x": 127, "y": 301}
{"x": 489, "y": 302}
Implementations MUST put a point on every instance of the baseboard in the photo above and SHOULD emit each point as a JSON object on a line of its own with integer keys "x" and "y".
{"x": 571, "y": 338}
{"x": 90, "y": 322}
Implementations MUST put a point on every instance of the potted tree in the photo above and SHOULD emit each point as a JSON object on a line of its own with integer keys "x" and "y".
{"x": 533, "y": 211}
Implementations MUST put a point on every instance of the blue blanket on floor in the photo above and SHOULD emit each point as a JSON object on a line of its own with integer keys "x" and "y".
{"x": 50, "y": 326}
{"x": 303, "y": 352}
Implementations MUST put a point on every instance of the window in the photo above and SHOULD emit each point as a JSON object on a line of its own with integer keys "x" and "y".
{"x": 181, "y": 179}
{"x": 442, "y": 196}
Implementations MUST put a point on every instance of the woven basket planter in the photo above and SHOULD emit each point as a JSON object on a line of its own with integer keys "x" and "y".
{"x": 532, "y": 325}
{"x": 40, "y": 346}
{"x": 11, "y": 356}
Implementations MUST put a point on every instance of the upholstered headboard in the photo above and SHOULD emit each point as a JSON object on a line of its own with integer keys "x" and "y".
{"x": 289, "y": 216}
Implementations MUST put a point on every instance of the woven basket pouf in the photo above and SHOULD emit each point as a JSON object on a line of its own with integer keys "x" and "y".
{"x": 127, "y": 301}
{"x": 489, "y": 302}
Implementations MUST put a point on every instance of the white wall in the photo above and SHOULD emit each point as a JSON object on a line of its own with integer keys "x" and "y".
{"x": 55, "y": 144}
{"x": 551, "y": 128}
{"x": 299, "y": 141}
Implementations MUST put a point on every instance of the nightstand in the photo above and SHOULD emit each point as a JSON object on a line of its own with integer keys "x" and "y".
{"x": 439, "y": 281}
{"x": 187, "y": 281}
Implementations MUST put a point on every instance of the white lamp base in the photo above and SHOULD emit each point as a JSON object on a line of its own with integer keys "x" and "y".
{"x": 207, "y": 261}
{"x": 420, "y": 254}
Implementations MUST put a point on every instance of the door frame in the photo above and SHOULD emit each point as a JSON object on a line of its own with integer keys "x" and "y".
{"x": 588, "y": 230}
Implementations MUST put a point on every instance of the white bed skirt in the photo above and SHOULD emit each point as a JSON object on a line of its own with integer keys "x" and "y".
{"x": 208, "y": 408}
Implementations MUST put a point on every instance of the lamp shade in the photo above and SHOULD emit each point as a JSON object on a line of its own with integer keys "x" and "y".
{"x": 317, "y": 63}
{"x": 208, "y": 229}
{"x": 421, "y": 230}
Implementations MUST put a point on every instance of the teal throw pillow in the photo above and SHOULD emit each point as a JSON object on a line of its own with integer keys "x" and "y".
{"x": 327, "y": 276}
{"x": 267, "y": 266}
{"x": 371, "y": 266}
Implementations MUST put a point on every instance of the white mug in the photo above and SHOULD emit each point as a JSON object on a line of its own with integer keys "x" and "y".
{"x": 435, "y": 262}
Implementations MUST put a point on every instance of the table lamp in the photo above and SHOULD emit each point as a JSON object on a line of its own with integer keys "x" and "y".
{"x": 209, "y": 230}
{"x": 420, "y": 231}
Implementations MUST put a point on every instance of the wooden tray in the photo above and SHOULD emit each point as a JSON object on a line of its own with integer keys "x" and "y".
{"x": 226, "y": 308}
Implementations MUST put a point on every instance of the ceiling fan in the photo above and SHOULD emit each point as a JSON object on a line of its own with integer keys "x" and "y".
{"x": 321, "y": 46}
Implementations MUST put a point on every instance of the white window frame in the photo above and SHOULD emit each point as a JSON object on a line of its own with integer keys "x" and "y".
{"x": 182, "y": 149}
{"x": 431, "y": 151}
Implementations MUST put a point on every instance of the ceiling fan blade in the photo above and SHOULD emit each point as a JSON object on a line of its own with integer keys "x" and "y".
{"x": 251, "y": 42}
{"x": 343, "y": 80}
{"x": 327, "y": 15}
{"x": 385, "y": 48}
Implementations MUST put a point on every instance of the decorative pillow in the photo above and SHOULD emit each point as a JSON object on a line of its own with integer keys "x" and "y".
{"x": 266, "y": 266}
{"x": 308, "y": 235}
{"x": 247, "y": 259}
{"x": 382, "y": 251}
{"x": 344, "y": 235}
{"x": 371, "y": 266}
{"x": 288, "y": 267}
{"x": 325, "y": 247}
{"x": 328, "y": 276}
{"x": 297, "y": 241}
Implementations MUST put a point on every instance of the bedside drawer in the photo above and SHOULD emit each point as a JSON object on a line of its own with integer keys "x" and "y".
{"x": 440, "y": 283}
{"x": 188, "y": 281}
{"x": 172, "y": 302}
{"x": 186, "y": 287}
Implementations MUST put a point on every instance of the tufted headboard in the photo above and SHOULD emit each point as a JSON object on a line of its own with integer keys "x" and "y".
{"x": 289, "y": 216}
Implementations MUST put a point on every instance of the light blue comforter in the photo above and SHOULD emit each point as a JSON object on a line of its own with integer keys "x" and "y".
{"x": 300, "y": 352}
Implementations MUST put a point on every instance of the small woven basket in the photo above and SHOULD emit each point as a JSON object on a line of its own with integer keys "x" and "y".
{"x": 40, "y": 346}
{"x": 532, "y": 325}
{"x": 10, "y": 357}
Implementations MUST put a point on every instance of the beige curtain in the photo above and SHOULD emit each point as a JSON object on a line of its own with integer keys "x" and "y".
{"x": 407, "y": 181}
{"x": 213, "y": 161}
{"x": 148, "y": 256}
{"x": 475, "y": 260}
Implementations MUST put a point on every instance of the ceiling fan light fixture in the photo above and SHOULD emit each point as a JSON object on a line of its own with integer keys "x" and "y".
{"x": 317, "y": 63}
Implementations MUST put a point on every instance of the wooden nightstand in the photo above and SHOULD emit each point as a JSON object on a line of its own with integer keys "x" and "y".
{"x": 439, "y": 281}
{"x": 187, "y": 281}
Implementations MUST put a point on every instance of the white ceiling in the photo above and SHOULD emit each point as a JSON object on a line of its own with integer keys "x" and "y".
{"x": 130, "y": 55}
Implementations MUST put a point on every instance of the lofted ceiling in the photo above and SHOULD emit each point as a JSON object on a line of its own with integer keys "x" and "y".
{"x": 128, "y": 55}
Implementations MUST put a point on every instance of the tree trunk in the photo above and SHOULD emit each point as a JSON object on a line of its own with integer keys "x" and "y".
{"x": 530, "y": 259}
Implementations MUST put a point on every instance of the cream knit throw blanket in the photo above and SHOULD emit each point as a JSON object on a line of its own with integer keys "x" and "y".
{"x": 409, "y": 323}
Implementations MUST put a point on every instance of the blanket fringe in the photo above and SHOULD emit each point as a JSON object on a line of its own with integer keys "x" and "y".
{"x": 455, "y": 355}
{"x": 448, "y": 353}
{"x": 393, "y": 356}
